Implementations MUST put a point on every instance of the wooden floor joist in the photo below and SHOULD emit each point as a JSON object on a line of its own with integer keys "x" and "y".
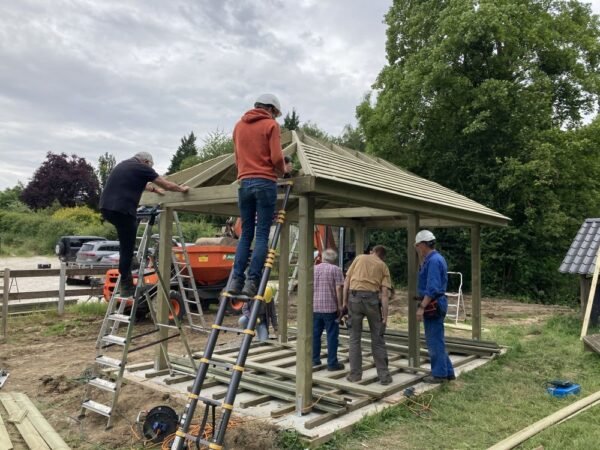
{"x": 5, "y": 443}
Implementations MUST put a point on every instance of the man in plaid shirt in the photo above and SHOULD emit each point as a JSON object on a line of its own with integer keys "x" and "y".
{"x": 327, "y": 304}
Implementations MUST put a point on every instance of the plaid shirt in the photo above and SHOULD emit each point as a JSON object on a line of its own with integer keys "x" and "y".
{"x": 326, "y": 278}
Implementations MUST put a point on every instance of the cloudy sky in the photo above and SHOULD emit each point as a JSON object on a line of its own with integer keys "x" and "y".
{"x": 87, "y": 77}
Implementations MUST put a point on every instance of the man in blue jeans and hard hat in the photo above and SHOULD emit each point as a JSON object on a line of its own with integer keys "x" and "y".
{"x": 433, "y": 281}
{"x": 259, "y": 160}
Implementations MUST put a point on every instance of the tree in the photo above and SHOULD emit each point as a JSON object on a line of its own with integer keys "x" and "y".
{"x": 106, "y": 164}
{"x": 185, "y": 150}
{"x": 9, "y": 199}
{"x": 312, "y": 129}
{"x": 291, "y": 122}
{"x": 217, "y": 143}
{"x": 352, "y": 138}
{"x": 70, "y": 181}
{"x": 481, "y": 97}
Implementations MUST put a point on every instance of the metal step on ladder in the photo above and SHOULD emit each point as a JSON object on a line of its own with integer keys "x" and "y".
{"x": 456, "y": 300}
{"x": 236, "y": 370}
{"x": 116, "y": 334}
{"x": 187, "y": 285}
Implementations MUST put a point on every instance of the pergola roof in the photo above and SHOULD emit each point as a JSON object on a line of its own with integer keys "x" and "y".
{"x": 581, "y": 256}
{"x": 350, "y": 187}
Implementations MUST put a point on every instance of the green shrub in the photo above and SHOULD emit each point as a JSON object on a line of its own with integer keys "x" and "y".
{"x": 80, "y": 214}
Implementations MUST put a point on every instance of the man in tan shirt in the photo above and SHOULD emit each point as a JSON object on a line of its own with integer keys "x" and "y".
{"x": 366, "y": 293}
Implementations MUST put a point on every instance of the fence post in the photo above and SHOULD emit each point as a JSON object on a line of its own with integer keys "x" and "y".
{"x": 61, "y": 288}
{"x": 5, "y": 294}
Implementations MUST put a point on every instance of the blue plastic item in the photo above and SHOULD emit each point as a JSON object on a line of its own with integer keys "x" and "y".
{"x": 563, "y": 389}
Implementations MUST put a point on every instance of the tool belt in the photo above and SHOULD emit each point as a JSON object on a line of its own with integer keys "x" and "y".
{"x": 432, "y": 310}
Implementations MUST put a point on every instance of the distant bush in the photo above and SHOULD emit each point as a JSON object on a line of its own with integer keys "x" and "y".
{"x": 197, "y": 229}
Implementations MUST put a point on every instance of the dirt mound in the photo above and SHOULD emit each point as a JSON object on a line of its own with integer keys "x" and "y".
{"x": 59, "y": 384}
{"x": 252, "y": 435}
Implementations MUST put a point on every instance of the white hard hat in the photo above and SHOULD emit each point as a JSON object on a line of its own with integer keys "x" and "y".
{"x": 269, "y": 99}
{"x": 424, "y": 236}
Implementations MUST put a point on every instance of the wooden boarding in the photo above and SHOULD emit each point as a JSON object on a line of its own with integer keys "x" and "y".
{"x": 5, "y": 443}
{"x": 37, "y": 433}
{"x": 592, "y": 343}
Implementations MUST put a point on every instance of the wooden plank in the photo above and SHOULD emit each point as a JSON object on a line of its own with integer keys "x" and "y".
{"x": 411, "y": 267}
{"x": 37, "y": 273}
{"x": 560, "y": 415}
{"x": 5, "y": 443}
{"x": 300, "y": 152}
{"x": 165, "y": 225}
{"x": 476, "y": 282}
{"x": 284, "y": 270}
{"x": 590, "y": 302}
{"x": 62, "y": 286}
{"x": 18, "y": 416}
{"x": 5, "y": 298}
{"x": 304, "y": 376}
{"x": 52, "y": 438}
{"x": 592, "y": 342}
{"x": 255, "y": 401}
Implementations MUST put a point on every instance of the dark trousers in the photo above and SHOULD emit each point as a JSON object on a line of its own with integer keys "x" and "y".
{"x": 256, "y": 199}
{"x": 329, "y": 323}
{"x": 441, "y": 366}
{"x": 367, "y": 305}
{"x": 126, "y": 226}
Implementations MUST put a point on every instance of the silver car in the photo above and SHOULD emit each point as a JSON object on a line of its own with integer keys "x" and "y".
{"x": 92, "y": 254}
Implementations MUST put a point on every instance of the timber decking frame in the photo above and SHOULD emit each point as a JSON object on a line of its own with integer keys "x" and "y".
{"x": 340, "y": 187}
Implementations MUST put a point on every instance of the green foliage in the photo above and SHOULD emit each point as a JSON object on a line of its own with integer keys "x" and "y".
{"x": 352, "y": 137}
{"x": 312, "y": 129}
{"x": 217, "y": 143}
{"x": 88, "y": 309}
{"x": 291, "y": 122}
{"x": 79, "y": 214}
{"x": 198, "y": 228}
{"x": 106, "y": 164}
{"x": 9, "y": 199}
{"x": 187, "y": 149}
{"x": 487, "y": 99}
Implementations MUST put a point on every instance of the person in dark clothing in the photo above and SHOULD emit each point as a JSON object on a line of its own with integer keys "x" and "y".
{"x": 118, "y": 203}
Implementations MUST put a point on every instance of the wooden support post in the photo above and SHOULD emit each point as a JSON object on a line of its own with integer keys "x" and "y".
{"x": 359, "y": 239}
{"x": 284, "y": 273}
{"x": 591, "y": 295}
{"x": 412, "y": 266}
{"x": 476, "y": 282}
{"x": 306, "y": 225}
{"x": 5, "y": 296}
{"x": 62, "y": 284}
{"x": 164, "y": 267}
{"x": 584, "y": 291}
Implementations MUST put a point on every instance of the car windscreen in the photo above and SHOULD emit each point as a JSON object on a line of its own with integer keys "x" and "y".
{"x": 87, "y": 247}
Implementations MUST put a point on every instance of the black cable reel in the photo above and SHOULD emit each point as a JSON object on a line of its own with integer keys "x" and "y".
{"x": 160, "y": 422}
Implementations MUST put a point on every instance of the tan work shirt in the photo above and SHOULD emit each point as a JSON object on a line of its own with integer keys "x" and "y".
{"x": 368, "y": 273}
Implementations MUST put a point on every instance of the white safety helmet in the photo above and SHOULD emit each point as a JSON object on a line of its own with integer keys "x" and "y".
{"x": 269, "y": 99}
{"x": 424, "y": 236}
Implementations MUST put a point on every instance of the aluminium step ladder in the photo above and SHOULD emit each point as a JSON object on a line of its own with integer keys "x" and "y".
{"x": 187, "y": 285}
{"x": 117, "y": 332}
{"x": 456, "y": 299}
{"x": 237, "y": 369}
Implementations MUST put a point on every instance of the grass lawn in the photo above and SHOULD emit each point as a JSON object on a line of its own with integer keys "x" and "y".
{"x": 491, "y": 403}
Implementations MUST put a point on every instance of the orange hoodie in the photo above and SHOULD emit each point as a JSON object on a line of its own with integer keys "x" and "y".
{"x": 257, "y": 146}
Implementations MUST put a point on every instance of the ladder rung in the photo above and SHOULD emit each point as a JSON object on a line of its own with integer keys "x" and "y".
{"x": 195, "y": 314}
{"x": 114, "y": 339}
{"x": 243, "y": 298}
{"x": 120, "y": 318}
{"x": 103, "y": 384}
{"x": 223, "y": 365}
{"x": 231, "y": 329}
{"x": 107, "y": 361}
{"x": 97, "y": 407}
{"x": 184, "y": 276}
{"x": 209, "y": 401}
{"x": 193, "y": 438}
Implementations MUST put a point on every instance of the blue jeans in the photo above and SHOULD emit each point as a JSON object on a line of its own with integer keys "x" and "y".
{"x": 262, "y": 333}
{"x": 441, "y": 366}
{"x": 329, "y": 323}
{"x": 256, "y": 199}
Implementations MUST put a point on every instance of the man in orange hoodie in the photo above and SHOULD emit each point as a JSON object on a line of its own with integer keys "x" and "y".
{"x": 259, "y": 161}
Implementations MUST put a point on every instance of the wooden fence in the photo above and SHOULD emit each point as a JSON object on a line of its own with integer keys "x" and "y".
{"x": 62, "y": 292}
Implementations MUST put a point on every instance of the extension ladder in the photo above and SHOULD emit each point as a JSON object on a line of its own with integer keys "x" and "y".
{"x": 216, "y": 442}
{"x": 117, "y": 331}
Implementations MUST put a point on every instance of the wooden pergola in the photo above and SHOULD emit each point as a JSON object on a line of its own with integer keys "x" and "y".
{"x": 341, "y": 187}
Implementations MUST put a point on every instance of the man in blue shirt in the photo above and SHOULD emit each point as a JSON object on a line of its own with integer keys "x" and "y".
{"x": 433, "y": 281}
